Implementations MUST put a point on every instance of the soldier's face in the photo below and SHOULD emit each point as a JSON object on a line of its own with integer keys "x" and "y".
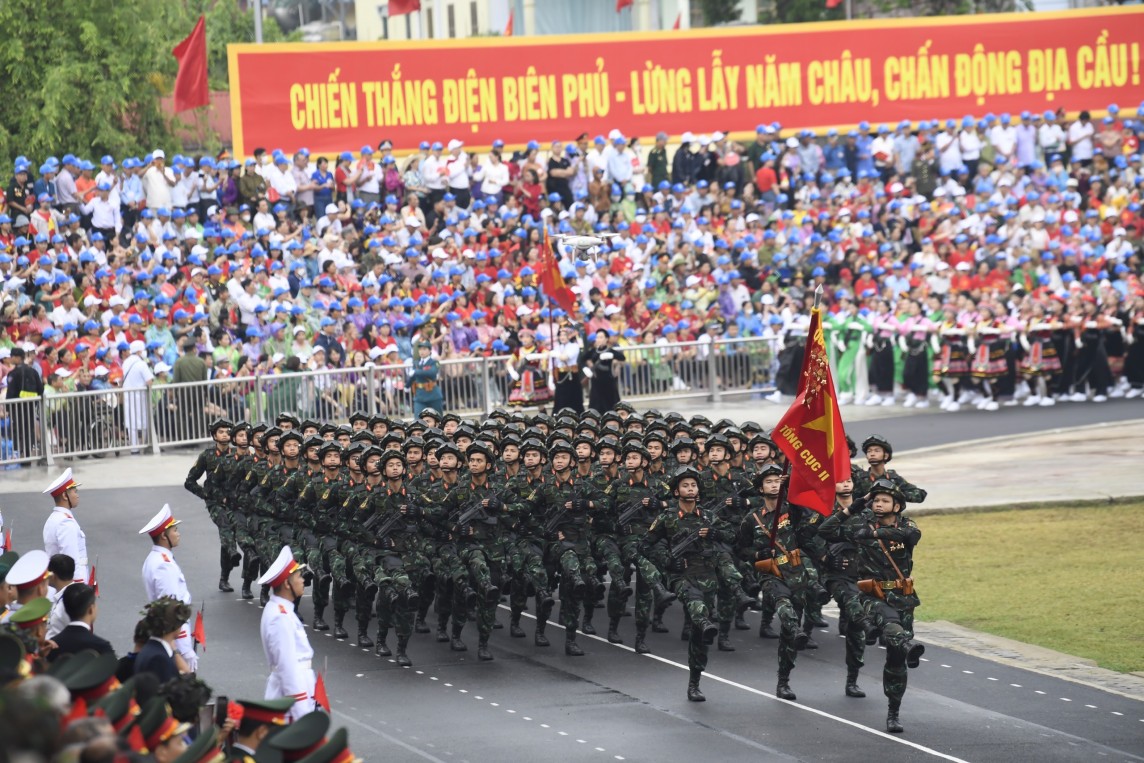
{"x": 394, "y": 469}
{"x": 633, "y": 461}
{"x": 291, "y": 448}
{"x": 373, "y": 465}
{"x": 561, "y": 461}
{"x": 687, "y": 489}
{"x": 222, "y": 436}
{"x": 716, "y": 453}
{"x": 413, "y": 456}
{"x": 310, "y": 432}
{"x": 380, "y": 430}
{"x": 845, "y": 487}
{"x": 464, "y": 442}
{"x": 449, "y": 428}
{"x": 272, "y": 444}
{"x": 655, "y": 449}
{"x": 875, "y": 454}
{"x": 583, "y": 452}
{"x": 332, "y": 460}
{"x": 511, "y": 454}
{"x": 447, "y": 461}
{"x": 772, "y": 484}
{"x": 344, "y": 440}
{"x": 241, "y": 439}
{"x": 532, "y": 459}
{"x": 312, "y": 453}
{"x": 358, "y": 425}
{"x": 882, "y": 504}
{"x": 478, "y": 463}
{"x": 607, "y": 457}
{"x": 685, "y": 456}
{"x": 355, "y": 462}
{"x": 760, "y": 453}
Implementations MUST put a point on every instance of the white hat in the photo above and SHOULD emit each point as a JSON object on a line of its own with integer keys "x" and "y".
{"x": 412, "y": 222}
{"x": 439, "y": 254}
{"x": 62, "y": 372}
{"x": 5, "y": 353}
{"x": 100, "y": 370}
{"x": 160, "y": 522}
{"x": 29, "y": 569}
{"x": 692, "y": 281}
{"x": 792, "y": 142}
{"x": 469, "y": 254}
{"x": 162, "y": 368}
{"x": 331, "y": 209}
{"x": 299, "y": 330}
{"x": 61, "y": 484}
{"x": 158, "y": 154}
{"x": 91, "y": 300}
{"x": 611, "y": 309}
{"x": 614, "y": 133}
{"x": 717, "y": 136}
{"x": 942, "y": 266}
{"x": 117, "y": 301}
{"x": 455, "y": 144}
{"x": 964, "y": 266}
{"x": 282, "y": 568}
{"x": 375, "y": 353}
{"x": 137, "y": 347}
{"x": 687, "y": 137}
{"x": 524, "y": 310}
{"x": 275, "y": 359}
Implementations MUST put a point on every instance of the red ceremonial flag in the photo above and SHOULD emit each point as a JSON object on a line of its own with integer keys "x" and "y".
{"x": 7, "y": 541}
{"x": 508, "y": 26}
{"x": 92, "y": 580}
{"x": 678, "y": 21}
{"x": 552, "y": 281}
{"x": 320, "y": 697}
{"x": 834, "y": 3}
{"x": 810, "y": 433}
{"x": 191, "y": 90}
{"x": 402, "y": 7}
{"x": 621, "y": 4}
{"x": 200, "y": 633}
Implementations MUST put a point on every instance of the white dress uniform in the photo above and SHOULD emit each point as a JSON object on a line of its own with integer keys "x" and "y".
{"x": 163, "y": 577}
{"x": 62, "y": 533}
{"x": 284, "y": 640}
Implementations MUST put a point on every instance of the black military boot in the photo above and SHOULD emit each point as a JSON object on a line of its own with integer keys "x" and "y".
{"x": 382, "y": 647}
{"x": 852, "y": 688}
{"x": 540, "y": 639}
{"x": 800, "y": 641}
{"x": 708, "y": 630}
{"x": 815, "y": 618}
{"x": 224, "y": 577}
{"x": 914, "y": 652}
{"x": 455, "y": 643}
{"x": 571, "y": 648}
{"x": 420, "y": 626}
{"x": 319, "y": 624}
{"x": 893, "y": 725}
{"x": 401, "y": 658}
{"x": 623, "y": 590}
{"x": 808, "y": 631}
{"x": 693, "y": 693}
{"x": 725, "y": 638}
{"x": 483, "y": 652}
{"x": 743, "y": 602}
{"x": 663, "y": 597}
{"x": 587, "y": 626}
{"x": 363, "y": 639}
{"x": 740, "y": 623}
{"x": 783, "y": 690}
{"x": 247, "y": 594}
{"x": 470, "y": 597}
{"x": 641, "y": 645}
{"x": 766, "y": 631}
{"x": 544, "y": 604}
{"x": 613, "y": 633}
{"x": 339, "y": 632}
{"x": 514, "y": 628}
{"x": 264, "y": 596}
{"x": 657, "y": 625}
{"x": 490, "y": 593}
{"x": 873, "y": 633}
{"x": 442, "y": 629}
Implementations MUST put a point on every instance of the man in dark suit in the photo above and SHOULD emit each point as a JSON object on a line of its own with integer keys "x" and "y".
{"x": 165, "y": 618}
{"x": 78, "y": 636}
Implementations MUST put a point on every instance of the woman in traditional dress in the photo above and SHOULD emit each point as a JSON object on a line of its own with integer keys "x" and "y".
{"x": 528, "y": 368}
{"x": 1040, "y": 362}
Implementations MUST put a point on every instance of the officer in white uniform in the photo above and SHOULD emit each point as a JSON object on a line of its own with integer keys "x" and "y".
{"x": 29, "y": 575}
{"x": 162, "y": 576}
{"x": 62, "y": 533}
{"x": 284, "y": 640}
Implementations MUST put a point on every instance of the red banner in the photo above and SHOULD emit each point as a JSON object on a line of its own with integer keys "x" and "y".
{"x": 332, "y": 97}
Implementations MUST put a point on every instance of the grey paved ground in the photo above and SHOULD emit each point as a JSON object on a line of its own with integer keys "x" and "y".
{"x": 536, "y": 704}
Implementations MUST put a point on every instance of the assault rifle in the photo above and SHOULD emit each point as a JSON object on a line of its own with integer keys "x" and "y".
{"x": 682, "y": 541}
{"x": 629, "y": 511}
{"x": 385, "y": 528}
{"x": 467, "y": 514}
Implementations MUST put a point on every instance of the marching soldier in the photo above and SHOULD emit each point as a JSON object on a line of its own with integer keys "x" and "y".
{"x": 526, "y": 543}
{"x": 885, "y": 542}
{"x": 690, "y": 535}
{"x": 454, "y": 594}
{"x": 62, "y": 533}
{"x": 309, "y": 505}
{"x": 235, "y": 470}
{"x": 878, "y": 452}
{"x": 284, "y": 640}
{"x": 212, "y": 463}
{"x": 163, "y": 577}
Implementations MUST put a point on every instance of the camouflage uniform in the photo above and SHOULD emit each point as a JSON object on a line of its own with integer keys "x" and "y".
{"x": 621, "y": 549}
{"x": 212, "y": 463}
{"x": 840, "y": 569}
{"x": 479, "y": 548}
{"x": 715, "y": 491}
{"x": 524, "y": 536}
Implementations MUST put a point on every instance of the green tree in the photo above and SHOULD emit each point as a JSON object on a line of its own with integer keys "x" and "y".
{"x": 720, "y": 11}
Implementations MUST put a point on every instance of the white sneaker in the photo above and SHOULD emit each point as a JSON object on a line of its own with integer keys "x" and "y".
{"x": 874, "y": 400}
{"x": 954, "y": 407}
{"x": 1133, "y": 393}
{"x": 945, "y": 403}
{"x": 965, "y": 396}
{"x": 888, "y": 401}
{"x": 1033, "y": 400}
{"x": 774, "y": 397}
{"x": 1010, "y": 403}
{"x": 845, "y": 398}
{"x": 980, "y": 403}
{"x": 990, "y": 405}
{"x": 1022, "y": 391}
{"x": 1100, "y": 398}
{"x": 910, "y": 400}
{"x": 1117, "y": 393}
{"x": 1077, "y": 397}
{"x": 922, "y": 404}
{"x": 1048, "y": 402}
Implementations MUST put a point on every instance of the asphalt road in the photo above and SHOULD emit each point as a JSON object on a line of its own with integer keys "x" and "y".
{"x": 537, "y": 704}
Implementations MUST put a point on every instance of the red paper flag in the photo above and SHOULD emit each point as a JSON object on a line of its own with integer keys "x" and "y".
{"x": 621, "y": 4}
{"x": 320, "y": 697}
{"x": 199, "y": 632}
{"x": 834, "y": 3}
{"x": 92, "y": 580}
{"x": 678, "y": 21}
{"x": 552, "y": 281}
{"x": 191, "y": 90}
{"x": 402, "y": 7}
{"x": 508, "y": 26}
{"x": 811, "y": 433}
{"x": 7, "y": 541}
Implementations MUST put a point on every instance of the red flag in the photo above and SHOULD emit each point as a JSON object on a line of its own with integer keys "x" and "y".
{"x": 508, "y": 26}
{"x": 320, "y": 693}
{"x": 810, "y": 433}
{"x": 191, "y": 90}
{"x": 199, "y": 632}
{"x": 78, "y": 710}
{"x": 402, "y": 7}
{"x": 552, "y": 281}
{"x": 678, "y": 21}
{"x": 834, "y": 3}
{"x": 135, "y": 739}
{"x": 621, "y": 4}
{"x": 92, "y": 580}
{"x": 7, "y": 540}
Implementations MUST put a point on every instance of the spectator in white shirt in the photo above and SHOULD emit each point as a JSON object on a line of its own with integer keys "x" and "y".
{"x": 158, "y": 181}
{"x": 1080, "y": 137}
{"x": 620, "y": 163}
{"x": 969, "y": 141}
{"x": 369, "y": 179}
{"x": 1051, "y": 137}
{"x": 457, "y": 173}
{"x": 948, "y": 147}
{"x": 1003, "y": 136}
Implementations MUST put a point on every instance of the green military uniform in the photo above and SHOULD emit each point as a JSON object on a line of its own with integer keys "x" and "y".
{"x": 324, "y": 531}
{"x": 211, "y": 462}
{"x": 840, "y": 568}
{"x": 524, "y": 536}
{"x": 729, "y": 498}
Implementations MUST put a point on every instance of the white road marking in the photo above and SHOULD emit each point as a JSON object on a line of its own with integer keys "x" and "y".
{"x": 1065, "y": 699}
{"x": 1116, "y": 713}
{"x": 1038, "y": 691}
{"x": 1091, "y": 706}
{"x": 990, "y": 679}
{"x": 946, "y": 666}
{"x": 967, "y": 672}
{"x": 1016, "y": 686}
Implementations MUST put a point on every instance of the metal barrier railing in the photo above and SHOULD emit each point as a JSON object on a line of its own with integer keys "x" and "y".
{"x": 116, "y": 420}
